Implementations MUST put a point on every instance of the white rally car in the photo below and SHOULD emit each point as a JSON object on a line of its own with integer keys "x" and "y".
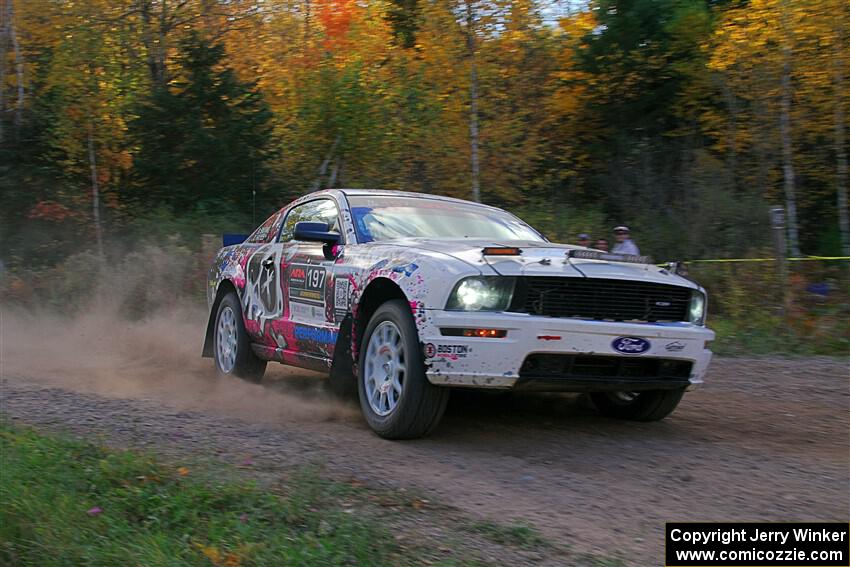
{"x": 403, "y": 296}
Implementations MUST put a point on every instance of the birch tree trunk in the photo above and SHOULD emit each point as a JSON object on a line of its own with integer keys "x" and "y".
{"x": 19, "y": 64}
{"x": 731, "y": 135}
{"x": 4, "y": 46}
{"x": 332, "y": 178}
{"x": 147, "y": 38}
{"x": 788, "y": 161}
{"x": 839, "y": 140}
{"x": 164, "y": 29}
{"x": 473, "y": 101}
{"x": 95, "y": 192}
{"x": 323, "y": 168}
{"x": 786, "y": 136}
{"x": 306, "y": 24}
{"x": 154, "y": 49}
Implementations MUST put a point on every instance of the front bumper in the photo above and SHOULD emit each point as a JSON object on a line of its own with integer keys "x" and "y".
{"x": 547, "y": 353}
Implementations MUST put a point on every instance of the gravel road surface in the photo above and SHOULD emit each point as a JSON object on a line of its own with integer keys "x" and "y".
{"x": 765, "y": 439}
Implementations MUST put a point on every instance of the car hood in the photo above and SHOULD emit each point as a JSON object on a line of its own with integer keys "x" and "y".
{"x": 544, "y": 259}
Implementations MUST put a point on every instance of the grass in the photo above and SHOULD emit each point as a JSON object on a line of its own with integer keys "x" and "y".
{"x": 823, "y": 336}
{"x": 518, "y": 534}
{"x": 67, "y": 502}
{"x": 607, "y": 562}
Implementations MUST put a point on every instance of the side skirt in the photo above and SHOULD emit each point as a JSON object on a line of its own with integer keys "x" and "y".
{"x": 292, "y": 358}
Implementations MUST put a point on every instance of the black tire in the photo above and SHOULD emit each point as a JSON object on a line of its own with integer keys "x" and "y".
{"x": 420, "y": 404}
{"x": 652, "y": 405}
{"x": 246, "y": 365}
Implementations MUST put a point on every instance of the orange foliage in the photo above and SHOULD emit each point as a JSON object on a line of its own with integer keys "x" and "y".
{"x": 336, "y": 17}
{"x": 50, "y": 211}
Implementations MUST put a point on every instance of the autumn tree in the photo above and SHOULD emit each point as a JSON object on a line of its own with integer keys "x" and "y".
{"x": 91, "y": 92}
{"x": 778, "y": 63}
{"x": 685, "y": 118}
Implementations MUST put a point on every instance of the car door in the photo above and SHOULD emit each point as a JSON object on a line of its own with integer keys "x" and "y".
{"x": 262, "y": 296}
{"x": 308, "y": 282}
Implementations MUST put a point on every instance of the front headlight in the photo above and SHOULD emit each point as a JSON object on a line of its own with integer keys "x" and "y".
{"x": 488, "y": 293}
{"x": 696, "y": 313}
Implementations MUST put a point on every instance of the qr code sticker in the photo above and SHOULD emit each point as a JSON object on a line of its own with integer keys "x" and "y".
{"x": 341, "y": 294}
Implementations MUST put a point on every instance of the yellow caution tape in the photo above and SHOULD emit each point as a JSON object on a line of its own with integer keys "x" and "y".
{"x": 807, "y": 258}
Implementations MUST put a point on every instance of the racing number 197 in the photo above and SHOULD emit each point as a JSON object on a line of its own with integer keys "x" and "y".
{"x": 315, "y": 278}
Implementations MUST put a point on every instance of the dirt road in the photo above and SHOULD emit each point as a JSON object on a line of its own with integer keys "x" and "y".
{"x": 765, "y": 439}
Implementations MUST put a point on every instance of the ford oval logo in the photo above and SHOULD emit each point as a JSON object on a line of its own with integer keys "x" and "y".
{"x": 630, "y": 345}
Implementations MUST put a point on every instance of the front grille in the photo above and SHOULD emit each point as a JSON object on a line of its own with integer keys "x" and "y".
{"x": 600, "y": 299}
{"x": 581, "y": 366}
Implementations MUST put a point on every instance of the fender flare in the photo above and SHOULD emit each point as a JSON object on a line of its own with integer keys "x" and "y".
{"x": 378, "y": 291}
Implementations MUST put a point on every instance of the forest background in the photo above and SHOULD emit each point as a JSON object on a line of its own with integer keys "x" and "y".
{"x": 127, "y": 124}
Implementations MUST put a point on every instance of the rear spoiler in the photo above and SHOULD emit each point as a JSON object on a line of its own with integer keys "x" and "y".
{"x": 610, "y": 257}
{"x": 231, "y": 239}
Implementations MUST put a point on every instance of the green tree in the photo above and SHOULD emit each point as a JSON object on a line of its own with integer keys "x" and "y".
{"x": 636, "y": 64}
{"x": 404, "y": 17}
{"x": 204, "y": 140}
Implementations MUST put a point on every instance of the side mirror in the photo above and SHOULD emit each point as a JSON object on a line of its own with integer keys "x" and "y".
{"x": 315, "y": 232}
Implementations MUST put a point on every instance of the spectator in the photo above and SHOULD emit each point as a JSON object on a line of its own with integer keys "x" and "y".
{"x": 583, "y": 240}
{"x": 602, "y": 244}
{"x": 625, "y": 244}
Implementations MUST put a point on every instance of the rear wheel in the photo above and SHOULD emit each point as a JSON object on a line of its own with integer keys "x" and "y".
{"x": 232, "y": 347}
{"x": 638, "y": 406}
{"x": 396, "y": 397}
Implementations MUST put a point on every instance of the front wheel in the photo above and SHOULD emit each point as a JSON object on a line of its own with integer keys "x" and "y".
{"x": 396, "y": 397}
{"x": 232, "y": 347}
{"x": 637, "y": 406}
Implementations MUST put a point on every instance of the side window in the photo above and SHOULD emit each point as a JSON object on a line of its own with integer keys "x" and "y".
{"x": 266, "y": 231}
{"x": 321, "y": 210}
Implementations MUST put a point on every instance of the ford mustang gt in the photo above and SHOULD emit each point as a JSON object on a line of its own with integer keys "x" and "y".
{"x": 403, "y": 296}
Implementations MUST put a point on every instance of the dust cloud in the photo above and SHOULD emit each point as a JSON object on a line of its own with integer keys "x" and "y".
{"x": 154, "y": 356}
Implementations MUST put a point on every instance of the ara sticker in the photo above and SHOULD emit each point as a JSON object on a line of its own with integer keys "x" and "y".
{"x": 307, "y": 284}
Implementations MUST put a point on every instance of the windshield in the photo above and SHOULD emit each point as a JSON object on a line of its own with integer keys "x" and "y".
{"x": 389, "y": 218}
